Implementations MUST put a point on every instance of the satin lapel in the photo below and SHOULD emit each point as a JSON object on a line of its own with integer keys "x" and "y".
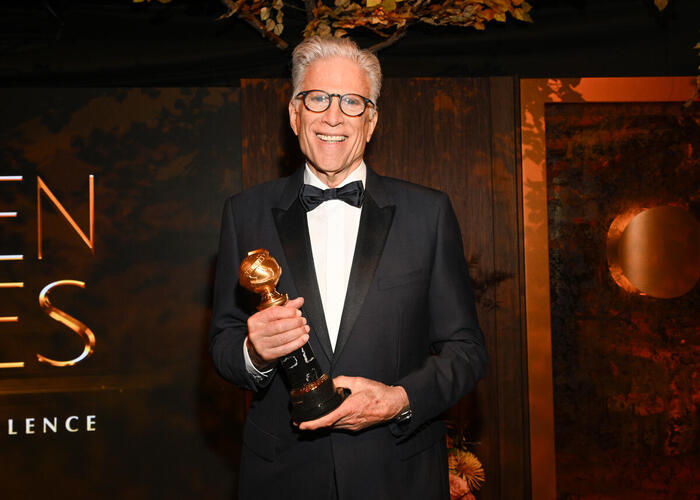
{"x": 375, "y": 223}
{"x": 294, "y": 235}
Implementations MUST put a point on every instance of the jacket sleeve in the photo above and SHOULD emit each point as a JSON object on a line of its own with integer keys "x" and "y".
{"x": 229, "y": 319}
{"x": 459, "y": 355}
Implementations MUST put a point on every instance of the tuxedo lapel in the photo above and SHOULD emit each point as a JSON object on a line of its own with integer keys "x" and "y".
{"x": 375, "y": 223}
{"x": 293, "y": 231}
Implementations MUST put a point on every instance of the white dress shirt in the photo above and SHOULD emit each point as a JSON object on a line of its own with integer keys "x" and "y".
{"x": 333, "y": 227}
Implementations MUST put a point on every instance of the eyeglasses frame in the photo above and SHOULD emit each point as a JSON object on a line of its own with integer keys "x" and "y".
{"x": 302, "y": 95}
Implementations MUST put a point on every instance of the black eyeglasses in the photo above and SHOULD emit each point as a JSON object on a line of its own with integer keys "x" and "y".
{"x": 319, "y": 100}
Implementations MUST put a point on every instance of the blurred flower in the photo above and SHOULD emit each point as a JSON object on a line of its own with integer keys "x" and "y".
{"x": 465, "y": 465}
{"x": 459, "y": 490}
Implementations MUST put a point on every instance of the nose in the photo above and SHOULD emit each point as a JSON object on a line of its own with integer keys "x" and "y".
{"x": 333, "y": 116}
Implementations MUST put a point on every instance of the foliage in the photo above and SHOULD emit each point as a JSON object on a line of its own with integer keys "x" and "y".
{"x": 388, "y": 19}
{"x": 661, "y": 5}
{"x": 697, "y": 79}
{"x": 485, "y": 283}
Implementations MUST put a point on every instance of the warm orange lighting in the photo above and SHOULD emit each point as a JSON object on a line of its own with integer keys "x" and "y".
{"x": 12, "y": 257}
{"x": 10, "y": 319}
{"x": 14, "y": 364}
{"x": 41, "y": 186}
{"x": 66, "y": 319}
{"x": 534, "y": 93}
{"x": 16, "y": 284}
{"x": 618, "y": 226}
{"x": 10, "y": 178}
{"x": 655, "y": 252}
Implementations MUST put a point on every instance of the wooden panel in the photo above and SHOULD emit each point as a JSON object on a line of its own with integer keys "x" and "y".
{"x": 269, "y": 148}
{"x": 456, "y": 135}
{"x": 510, "y": 298}
{"x": 535, "y": 94}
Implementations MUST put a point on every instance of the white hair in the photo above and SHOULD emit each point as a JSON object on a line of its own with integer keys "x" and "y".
{"x": 316, "y": 47}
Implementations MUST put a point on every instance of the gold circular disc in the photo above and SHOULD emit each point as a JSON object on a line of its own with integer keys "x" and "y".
{"x": 655, "y": 252}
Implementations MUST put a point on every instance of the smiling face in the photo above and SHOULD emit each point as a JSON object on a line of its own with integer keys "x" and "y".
{"x": 332, "y": 142}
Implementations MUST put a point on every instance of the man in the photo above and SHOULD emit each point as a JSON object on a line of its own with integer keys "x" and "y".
{"x": 382, "y": 294}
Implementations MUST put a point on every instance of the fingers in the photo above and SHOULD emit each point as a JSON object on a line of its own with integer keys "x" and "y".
{"x": 351, "y": 415}
{"x": 295, "y": 303}
{"x": 371, "y": 403}
{"x": 277, "y": 331}
{"x": 272, "y": 348}
{"x": 272, "y": 343}
{"x": 290, "y": 310}
{"x": 327, "y": 420}
{"x": 281, "y": 328}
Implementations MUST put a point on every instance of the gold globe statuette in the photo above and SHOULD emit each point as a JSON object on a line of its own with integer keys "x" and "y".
{"x": 312, "y": 392}
{"x": 259, "y": 272}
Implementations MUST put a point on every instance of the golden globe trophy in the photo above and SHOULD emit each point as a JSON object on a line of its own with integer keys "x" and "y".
{"x": 313, "y": 393}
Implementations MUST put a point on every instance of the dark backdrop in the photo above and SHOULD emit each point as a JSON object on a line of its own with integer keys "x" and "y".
{"x": 116, "y": 42}
{"x": 165, "y": 425}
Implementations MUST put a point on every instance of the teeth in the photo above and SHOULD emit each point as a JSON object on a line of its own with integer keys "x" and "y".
{"x": 331, "y": 138}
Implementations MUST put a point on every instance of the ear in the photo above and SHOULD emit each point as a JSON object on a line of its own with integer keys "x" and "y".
{"x": 294, "y": 118}
{"x": 371, "y": 123}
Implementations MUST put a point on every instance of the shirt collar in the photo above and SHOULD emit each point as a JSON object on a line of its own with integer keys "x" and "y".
{"x": 359, "y": 174}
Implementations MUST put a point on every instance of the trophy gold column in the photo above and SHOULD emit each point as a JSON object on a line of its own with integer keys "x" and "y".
{"x": 312, "y": 392}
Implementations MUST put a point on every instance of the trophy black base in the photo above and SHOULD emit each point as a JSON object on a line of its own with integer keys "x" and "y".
{"x": 316, "y": 399}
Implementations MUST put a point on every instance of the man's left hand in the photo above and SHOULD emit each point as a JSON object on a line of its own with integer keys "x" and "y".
{"x": 370, "y": 403}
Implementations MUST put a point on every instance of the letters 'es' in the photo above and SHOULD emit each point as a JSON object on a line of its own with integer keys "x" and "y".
{"x": 87, "y": 336}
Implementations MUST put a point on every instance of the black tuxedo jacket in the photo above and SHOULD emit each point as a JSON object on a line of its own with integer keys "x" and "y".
{"x": 409, "y": 320}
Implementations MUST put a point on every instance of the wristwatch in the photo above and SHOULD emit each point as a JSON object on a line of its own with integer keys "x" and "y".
{"x": 404, "y": 416}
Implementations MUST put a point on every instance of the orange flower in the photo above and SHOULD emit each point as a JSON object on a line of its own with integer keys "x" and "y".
{"x": 465, "y": 465}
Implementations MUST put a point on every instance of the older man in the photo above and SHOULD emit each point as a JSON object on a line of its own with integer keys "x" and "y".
{"x": 382, "y": 295}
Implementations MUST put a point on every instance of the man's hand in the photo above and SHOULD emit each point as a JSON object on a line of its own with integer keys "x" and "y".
{"x": 370, "y": 403}
{"x": 275, "y": 332}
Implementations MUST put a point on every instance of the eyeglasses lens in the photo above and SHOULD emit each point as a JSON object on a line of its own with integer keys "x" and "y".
{"x": 350, "y": 104}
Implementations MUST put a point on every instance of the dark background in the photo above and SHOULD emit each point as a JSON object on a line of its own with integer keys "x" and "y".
{"x": 164, "y": 160}
{"x": 100, "y": 42}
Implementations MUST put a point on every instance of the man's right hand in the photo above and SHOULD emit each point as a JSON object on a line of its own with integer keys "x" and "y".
{"x": 275, "y": 332}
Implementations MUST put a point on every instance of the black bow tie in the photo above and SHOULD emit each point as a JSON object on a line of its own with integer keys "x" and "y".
{"x": 311, "y": 196}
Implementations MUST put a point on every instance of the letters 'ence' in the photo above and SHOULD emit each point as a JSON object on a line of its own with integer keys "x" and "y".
{"x": 52, "y": 311}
